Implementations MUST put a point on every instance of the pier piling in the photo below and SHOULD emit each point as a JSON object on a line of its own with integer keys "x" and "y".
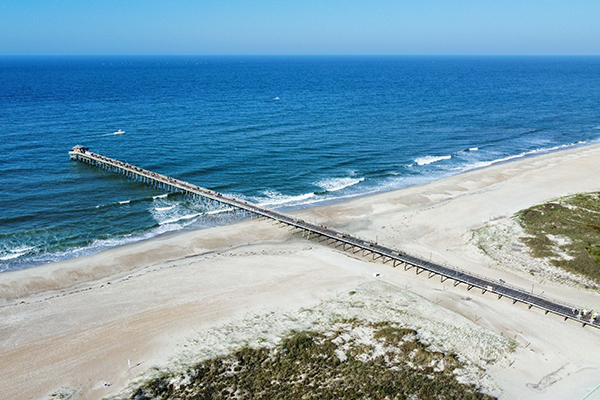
{"x": 325, "y": 234}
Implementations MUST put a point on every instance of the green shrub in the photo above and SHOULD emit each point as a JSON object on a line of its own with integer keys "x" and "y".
{"x": 305, "y": 366}
{"x": 574, "y": 218}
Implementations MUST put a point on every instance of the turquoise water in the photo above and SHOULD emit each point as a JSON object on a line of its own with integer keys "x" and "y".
{"x": 286, "y": 132}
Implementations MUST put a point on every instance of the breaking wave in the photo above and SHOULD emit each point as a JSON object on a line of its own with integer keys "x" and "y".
{"x": 335, "y": 184}
{"x": 430, "y": 159}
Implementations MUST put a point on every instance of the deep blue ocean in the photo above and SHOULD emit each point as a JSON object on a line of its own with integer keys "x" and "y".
{"x": 286, "y": 132}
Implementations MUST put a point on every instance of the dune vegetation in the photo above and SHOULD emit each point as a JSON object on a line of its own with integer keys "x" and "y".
{"x": 354, "y": 360}
{"x": 566, "y": 231}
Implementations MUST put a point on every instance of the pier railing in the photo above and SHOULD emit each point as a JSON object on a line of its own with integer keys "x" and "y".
{"x": 342, "y": 240}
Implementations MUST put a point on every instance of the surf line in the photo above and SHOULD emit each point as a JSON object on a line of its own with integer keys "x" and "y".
{"x": 335, "y": 238}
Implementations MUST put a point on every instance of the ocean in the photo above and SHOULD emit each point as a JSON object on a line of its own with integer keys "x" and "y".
{"x": 286, "y": 132}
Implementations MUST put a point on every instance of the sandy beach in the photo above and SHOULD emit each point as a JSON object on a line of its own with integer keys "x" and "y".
{"x": 87, "y": 328}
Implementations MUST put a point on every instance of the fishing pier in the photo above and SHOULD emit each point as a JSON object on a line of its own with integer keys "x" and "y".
{"x": 339, "y": 239}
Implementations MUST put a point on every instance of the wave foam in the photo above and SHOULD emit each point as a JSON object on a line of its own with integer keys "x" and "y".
{"x": 15, "y": 253}
{"x": 532, "y": 152}
{"x": 164, "y": 208}
{"x": 335, "y": 184}
{"x": 277, "y": 199}
{"x": 220, "y": 211}
{"x": 179, "y": 218}
{"x": 430, "y": 159}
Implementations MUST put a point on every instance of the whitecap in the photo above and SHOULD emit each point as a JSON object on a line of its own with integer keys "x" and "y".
{"x": 10, "y": 256}
{"x": 160, "y": 196}
{"x": 430, "y": 159}
{"x": 277, "y": 199}
{"x": 180, "y": 218}
{"x": 125, "y": 202}
{"x": 15, "y": 253}
{"x": 482, "y": 164}
{"x": 220, "y": 211}
{"x": 21, "y": 249}
{"x": 335, "y": 184}
{"x": 164, "y": 208}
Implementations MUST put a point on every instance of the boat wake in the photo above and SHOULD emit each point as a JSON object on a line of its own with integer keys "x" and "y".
{"x": 119, "y": 132}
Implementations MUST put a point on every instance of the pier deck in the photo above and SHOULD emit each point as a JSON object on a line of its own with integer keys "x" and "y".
{"x": 345, "y": 241}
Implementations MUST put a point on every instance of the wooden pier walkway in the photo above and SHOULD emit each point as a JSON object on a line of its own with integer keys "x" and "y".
{"x": 341, "y": 240}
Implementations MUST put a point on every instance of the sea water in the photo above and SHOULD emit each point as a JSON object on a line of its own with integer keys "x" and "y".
{"x": 284, "y": 132}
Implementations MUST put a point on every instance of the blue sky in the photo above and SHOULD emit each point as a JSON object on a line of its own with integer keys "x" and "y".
{"x": 534, "y": 27}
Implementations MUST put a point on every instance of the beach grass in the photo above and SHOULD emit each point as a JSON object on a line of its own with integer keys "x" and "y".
{"x": 387, "y": 363}
{"x": 566, "y": 231}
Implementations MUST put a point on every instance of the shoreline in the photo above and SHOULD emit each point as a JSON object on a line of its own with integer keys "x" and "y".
{"x": 316, "y": 204}
{"x": 164, "y": 289}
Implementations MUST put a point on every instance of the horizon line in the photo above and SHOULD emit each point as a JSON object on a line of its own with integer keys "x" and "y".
{"x": 282, "y": 55}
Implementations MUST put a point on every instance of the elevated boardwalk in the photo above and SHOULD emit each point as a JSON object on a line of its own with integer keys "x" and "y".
{"x": 340, "y": 240}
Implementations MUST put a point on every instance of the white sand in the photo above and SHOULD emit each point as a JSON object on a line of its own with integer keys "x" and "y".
{"x": 65, "y": 329}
